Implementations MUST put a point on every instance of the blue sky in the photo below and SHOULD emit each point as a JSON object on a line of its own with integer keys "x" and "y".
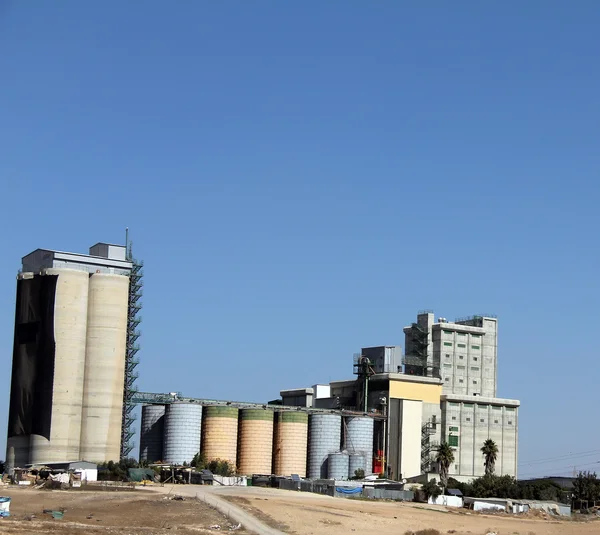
{"x": 301, "y": 177}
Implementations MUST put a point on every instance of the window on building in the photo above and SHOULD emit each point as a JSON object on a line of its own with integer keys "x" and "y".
{"x": 447, "y": 355}
{"x": 509, "y": 422}
{"x": 460, "y": 381}
{"x": 474, "y": 381}
{"x": 474, "y": 347}
{"x": 475, "y": 359}
{"x": 447, "y": 379}
{"x": 455, "y": 467}
{"x": 448, "y": 332}
{"x": 447, "y": 365}
{"x": 448, "y": 344}
{"x": 461, "y": 345}
{"x": 476, "y": 336}
{"x": 453, "y": 441}
{"x": 474, "y": 368}
{"x": 482, "y": 420}
{"x": 495, "y": 421}
{"x": 468, "y": 419}
{"x": 454, "y": 417}
{"x": 462, "y": 334}
{"x": 461, "y": 357}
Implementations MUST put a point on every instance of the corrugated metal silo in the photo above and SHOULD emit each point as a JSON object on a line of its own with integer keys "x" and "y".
{"x": 337, "y": 465}
{"x": 70, "y": 320}
{"x": 152, "y": 433}
{"x": 183, "y": 425}
{"x": 290, "y": 443}
{"x": 255, "y": 448}
{"x": 356, "y": 462}
{"x": 104, "y": 367}
{"x": 219, "y": 433}
{"x": 325, "y": 432}
{"x": 359, "y": 438}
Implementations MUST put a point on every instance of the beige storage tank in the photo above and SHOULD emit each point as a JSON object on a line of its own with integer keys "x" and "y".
{"x": 104, "y": 367}
{"x": 255, "y": 447}
{"x": 219, "y": 433}
{"x": 290, "y": 443}
{"x": 70, "y": 319}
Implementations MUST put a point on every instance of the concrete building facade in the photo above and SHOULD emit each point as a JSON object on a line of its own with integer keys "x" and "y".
{"x": 464, "y": 355}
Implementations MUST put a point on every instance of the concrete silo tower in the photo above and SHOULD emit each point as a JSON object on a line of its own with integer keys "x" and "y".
{"x": 69, "y": 356}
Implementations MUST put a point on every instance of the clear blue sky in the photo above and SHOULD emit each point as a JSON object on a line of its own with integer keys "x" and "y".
{"x": 301, "y": 177}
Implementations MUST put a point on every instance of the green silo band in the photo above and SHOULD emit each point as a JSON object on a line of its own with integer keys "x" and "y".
{"x": 221, "y": 412}
{"x": 295, "y": 417}
{"x": 256, "y": 414}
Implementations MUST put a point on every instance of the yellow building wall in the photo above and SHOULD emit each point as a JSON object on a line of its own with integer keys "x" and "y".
{"x": 415, "y": 391}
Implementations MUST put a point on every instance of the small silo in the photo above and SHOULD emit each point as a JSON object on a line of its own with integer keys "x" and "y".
{"x": 337, "y": 465}
{"x": 152, "y": 433}
{"x": 290, "y": 443}
{"x": 325, "y": 431}
{"x": 356, "y": 462}
{"x": 219, "y": 433}
{"x": 104, "y": 367}
{"x": 358, "y": 438}
{"x": 255, "y": 447}
{"x": 182, "y": 430}
{"x": 62, "y": 416}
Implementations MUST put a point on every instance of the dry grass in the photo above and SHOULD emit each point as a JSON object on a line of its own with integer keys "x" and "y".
{"x": 429, "y": 531}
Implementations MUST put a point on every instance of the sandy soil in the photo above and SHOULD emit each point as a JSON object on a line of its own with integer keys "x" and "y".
{"x": 107, "y": 513}
{"x": 146, "y": 512}
{"x": 310, "y": 514}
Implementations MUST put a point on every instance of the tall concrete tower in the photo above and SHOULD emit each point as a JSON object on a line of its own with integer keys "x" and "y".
{"x": 69, "y": 356}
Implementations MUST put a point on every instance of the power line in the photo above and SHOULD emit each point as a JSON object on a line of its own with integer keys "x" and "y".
{"x": 560, "y": 457}
{"x": 562, "y": 469}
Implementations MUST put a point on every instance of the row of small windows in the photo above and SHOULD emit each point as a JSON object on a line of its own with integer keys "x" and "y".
{"x": 462, "y": 335}
{"x": 461, "y": 357}
{"x": 482, "y": 420}
{"x": 461, "y": 381}
{"x": 449, "y": 344}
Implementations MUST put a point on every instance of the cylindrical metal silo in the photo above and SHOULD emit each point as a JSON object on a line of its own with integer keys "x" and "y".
{"x": 65, "y": 413}
{"x": 152, "y": 433}
{"x": 290, "y": 443}
{"x": 183, "y": 425}
{"x": 255, "y": 446}
{"x": 356, "y": 462}
{"x": 324, "y": 438}
{"x": 219, "y": 433}
{"x": 337, "y": 465}
{"x": 358, "y": 435}
{"x": 104, "y": 367}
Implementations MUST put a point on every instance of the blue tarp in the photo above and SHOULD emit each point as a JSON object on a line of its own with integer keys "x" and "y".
{"x": 346, "y": 490}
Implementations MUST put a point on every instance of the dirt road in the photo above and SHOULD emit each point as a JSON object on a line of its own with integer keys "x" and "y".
{"x": 311, "y": 514}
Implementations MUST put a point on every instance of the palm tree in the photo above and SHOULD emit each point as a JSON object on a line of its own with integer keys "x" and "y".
{"x": 445, "y": 457}
{"x": 490, "y": 453}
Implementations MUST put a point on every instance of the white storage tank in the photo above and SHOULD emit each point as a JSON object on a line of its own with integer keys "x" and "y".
{"x": 104, "y": 367}
{"x": 70, "y": 303}
{"x": 152, "y": 433}
{"x": 337, "y": 465}
{"x": 183, "y": 427}
{"x": 358, "y": 438}
{"x": 325, "y": 431}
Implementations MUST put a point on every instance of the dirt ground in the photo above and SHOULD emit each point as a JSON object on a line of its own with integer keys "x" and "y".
{"x": 310, "y": 514}
{"x": 149, "y": 512}
{"x": 107, "y": 513}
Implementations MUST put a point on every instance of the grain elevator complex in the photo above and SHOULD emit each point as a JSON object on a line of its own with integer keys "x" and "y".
{"x": 72, "y": 391}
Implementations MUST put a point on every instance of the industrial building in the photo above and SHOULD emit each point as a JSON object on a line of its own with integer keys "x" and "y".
{"x": 72, "y": 391}
{"x": 71, "y": 366}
